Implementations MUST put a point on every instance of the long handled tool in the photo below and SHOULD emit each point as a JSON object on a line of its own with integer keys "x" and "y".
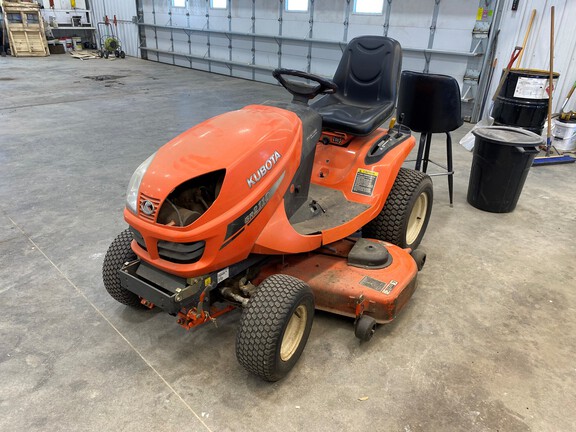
{"x": 568, "y": 96}
{"x": 549, "y": 160}
{"x": 550, "y": 84}
{"x": 515, "y": 54}
{"x": 526, "y": 36}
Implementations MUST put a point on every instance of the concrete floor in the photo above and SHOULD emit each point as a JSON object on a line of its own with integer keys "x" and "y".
{"x": 486, "y": 344}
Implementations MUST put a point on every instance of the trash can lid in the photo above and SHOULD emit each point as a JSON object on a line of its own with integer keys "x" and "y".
{"x": 507, "y": 135}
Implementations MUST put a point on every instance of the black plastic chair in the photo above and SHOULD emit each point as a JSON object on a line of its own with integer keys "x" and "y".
{"x": 367, "y": 79}
{"x": 429, "y": 104}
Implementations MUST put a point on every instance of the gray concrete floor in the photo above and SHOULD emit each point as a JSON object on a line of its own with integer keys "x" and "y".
{"x": 486, "y": 344}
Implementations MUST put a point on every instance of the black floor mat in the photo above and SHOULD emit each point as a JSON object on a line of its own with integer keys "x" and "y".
{"x": 335, "y": 210}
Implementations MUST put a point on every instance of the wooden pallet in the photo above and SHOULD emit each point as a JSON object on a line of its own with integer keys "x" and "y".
{"x": 85, "y": 55}
{"x": 25, "y": 29}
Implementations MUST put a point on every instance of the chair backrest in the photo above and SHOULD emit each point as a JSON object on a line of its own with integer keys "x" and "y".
{"x": 429, "y": 102}
{"x": 369, "y": 71}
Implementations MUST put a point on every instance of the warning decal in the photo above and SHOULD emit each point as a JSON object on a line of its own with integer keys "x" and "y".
{"x": 532, "y": 88}
{"x": 388, "y": 289}
{"x": 375, "y": 284}
{"x": 364, "y": 182}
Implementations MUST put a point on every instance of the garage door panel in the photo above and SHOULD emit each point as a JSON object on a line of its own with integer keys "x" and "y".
{"x": 412, "y": 14}
{"x": 328, "y": 31}
{"x": 218, "y": 23}
{"x": 266, "y": 26}
{"x": 180, "y": 46}
{"x": 242, "y": 25}
{"x": 297, "y": 29}
{"x": 242, "y": 55}
{"x": 355, "y": 30}
{"x": 447, "y": 65}
{"x": 453, "y": 40}
{"x": 457, "y": 14}
{"x": 180, "y": 20}
{"x": 410, "y": 37}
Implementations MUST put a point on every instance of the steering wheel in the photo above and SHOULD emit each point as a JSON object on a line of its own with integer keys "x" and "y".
{"x": 303, "y": 92}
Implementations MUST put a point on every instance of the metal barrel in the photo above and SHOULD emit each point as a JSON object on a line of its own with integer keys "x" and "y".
{"x": 523, "y": 100}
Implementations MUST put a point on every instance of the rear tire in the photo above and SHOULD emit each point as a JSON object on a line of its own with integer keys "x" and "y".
{"x": 122, "y": 54}
{"x": 406, "y": 213}
{"x": 119, "y": 253}
{"x": 275, "y": 326}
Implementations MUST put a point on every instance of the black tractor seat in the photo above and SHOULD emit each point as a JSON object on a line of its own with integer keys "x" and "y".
{"x": 367, "y": 78}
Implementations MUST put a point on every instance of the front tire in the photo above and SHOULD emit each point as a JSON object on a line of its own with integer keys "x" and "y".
{"x": 275, "y": 326}
{"x": 404, "y": 218}
{"x": 119, "y": 253}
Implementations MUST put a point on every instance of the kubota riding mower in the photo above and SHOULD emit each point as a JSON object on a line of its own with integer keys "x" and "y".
{"x": 262, "y": 209}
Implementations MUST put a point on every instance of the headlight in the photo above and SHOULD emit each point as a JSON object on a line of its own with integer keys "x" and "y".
{"x": 134, "y": 185}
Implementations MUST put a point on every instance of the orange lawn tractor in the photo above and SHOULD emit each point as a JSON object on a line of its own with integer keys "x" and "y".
{"x": 281, "y": 209}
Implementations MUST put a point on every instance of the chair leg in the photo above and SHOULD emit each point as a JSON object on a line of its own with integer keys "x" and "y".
{"x": 420, "y": 151}
{"x": 427, "y": 151}
{"x": 449, "y": 165}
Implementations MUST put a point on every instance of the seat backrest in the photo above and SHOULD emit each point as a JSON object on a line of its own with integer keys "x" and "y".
{"x": 369, "y": 70}
{"x": 429, "y": 102}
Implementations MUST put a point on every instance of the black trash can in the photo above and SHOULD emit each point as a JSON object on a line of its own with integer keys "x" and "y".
{"x": 502, "y": 158}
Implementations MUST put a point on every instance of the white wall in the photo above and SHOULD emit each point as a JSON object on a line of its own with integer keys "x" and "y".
{"x": 537, "y": 53}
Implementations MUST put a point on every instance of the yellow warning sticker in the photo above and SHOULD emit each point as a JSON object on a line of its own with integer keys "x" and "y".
{"x": 364, "y": 182}
{"x": 479, "y": 14}
{"x": 208, "y": 281}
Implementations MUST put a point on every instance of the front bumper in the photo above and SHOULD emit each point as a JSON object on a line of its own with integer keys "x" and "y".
{"x": 168, "y": 292}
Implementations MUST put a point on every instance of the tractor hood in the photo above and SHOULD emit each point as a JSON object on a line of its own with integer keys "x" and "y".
{"x": 245, "y": 146}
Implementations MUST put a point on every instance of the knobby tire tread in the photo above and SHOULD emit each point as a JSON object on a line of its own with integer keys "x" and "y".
{"x": 118, "y": 253}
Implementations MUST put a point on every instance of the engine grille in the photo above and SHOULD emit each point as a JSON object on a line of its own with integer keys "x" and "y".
{"x": 184, "y": 253}
{"x": 156, "y": 202}
{"x": 181, "y": 253}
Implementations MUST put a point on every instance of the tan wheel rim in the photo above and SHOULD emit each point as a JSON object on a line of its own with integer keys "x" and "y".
{"x": 417, "y": 218}
{"x": 294, "y": 332}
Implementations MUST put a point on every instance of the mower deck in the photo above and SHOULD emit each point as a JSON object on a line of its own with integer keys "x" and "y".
{"x": 350, "y": 290}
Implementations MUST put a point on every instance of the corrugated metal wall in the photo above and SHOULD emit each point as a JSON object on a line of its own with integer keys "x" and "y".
{"x": 125, "y": 11}
{"x": 537, "y": 54}
{"x": 252, "y": 37}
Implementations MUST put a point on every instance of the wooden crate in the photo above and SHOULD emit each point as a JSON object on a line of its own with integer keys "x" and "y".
{"x": 25, "y": 29}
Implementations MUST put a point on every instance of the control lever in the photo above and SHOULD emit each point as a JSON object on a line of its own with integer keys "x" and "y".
{"x": 400, "y": 121}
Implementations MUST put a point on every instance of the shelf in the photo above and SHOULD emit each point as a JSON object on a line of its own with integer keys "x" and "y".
{"x": 72, "y": 28}
{"x": 67, "y": 10}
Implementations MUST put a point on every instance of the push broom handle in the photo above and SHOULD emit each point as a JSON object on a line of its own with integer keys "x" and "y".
{"x": 526, "y": 36}
{"x": 550, "y": 84}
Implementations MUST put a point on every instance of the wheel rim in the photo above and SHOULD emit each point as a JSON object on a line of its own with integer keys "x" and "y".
{"x": 294, "y": 332}
{"x": 417, "y": 218}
